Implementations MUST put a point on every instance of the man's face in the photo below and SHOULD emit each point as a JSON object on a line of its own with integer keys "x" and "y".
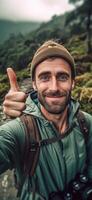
{"x": 53, "y": 83}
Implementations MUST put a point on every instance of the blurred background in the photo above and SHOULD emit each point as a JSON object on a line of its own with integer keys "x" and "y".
{"x": 24, "y": 26}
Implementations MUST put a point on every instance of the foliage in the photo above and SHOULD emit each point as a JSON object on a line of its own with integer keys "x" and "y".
{"x": 3, "y": 78}
{"x": 82, "y": 80}
{"x": 89, "y": 83}
{"x": 82, "y": 16}
{"x": 23, "y": 74}
{"x": 83, "y": 91}
{"x": 3, "y": 88}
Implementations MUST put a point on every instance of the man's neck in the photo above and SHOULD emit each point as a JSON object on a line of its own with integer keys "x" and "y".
{"x": 60, "y": 121}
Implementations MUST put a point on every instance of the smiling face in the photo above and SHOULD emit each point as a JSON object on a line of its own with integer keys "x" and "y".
{"x": 53, "y": 83}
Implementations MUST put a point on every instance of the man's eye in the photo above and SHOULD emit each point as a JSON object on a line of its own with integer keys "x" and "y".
{"x": 44, "y": 78}
{"x": 63, "y": 77}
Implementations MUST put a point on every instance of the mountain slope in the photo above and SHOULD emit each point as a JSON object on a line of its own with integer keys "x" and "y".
{"x": 10, "y": 27}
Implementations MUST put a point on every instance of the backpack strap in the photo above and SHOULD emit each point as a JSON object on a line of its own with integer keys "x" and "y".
{"x": 83, "y": 124}
{"x": 32, "y": 144}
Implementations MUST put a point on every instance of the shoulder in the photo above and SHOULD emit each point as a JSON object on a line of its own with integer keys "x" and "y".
{"x": 12, "y": 124}
{"x": 88, "y": 118}
{"x": 13, "y": 130}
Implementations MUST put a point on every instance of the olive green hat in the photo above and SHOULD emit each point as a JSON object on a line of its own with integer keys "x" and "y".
{"x": 51, "y": 49}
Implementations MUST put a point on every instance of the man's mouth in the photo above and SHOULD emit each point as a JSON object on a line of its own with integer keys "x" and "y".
{"x": 55, "y": 95}
{"x": 54, "y": 98}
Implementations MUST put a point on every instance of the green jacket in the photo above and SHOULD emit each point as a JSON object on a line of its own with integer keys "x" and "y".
{"x": 58, "y": 162}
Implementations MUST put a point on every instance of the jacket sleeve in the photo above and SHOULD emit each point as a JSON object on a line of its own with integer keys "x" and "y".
{"x": 12, "y": 139}
{"x": 89, "y": 146}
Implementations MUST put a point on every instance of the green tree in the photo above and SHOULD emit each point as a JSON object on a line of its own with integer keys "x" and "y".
{"x": 84, "y": 12}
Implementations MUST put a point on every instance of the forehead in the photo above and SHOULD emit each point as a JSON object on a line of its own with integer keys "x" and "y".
{"x": 53, "y": 66}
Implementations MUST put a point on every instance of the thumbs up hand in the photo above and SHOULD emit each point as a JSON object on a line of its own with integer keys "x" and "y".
{"x": 14, "y": 102}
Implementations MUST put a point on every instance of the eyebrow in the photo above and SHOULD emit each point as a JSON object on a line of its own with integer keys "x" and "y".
{"x": 44, "y": 73}
{"x": 65, "y": 73}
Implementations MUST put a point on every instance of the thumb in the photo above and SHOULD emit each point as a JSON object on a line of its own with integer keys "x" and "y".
{"x": 12, "y": 79}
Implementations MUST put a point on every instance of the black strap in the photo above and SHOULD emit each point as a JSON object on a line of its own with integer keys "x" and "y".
{"x": 83, "y": 124}
{"x": 56, "y": 138}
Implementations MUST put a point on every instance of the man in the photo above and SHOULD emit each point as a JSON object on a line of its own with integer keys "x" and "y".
{"x": 53, "y": 78}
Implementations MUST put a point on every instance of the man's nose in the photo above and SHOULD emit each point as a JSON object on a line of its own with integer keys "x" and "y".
{"x": 54, "y": 84}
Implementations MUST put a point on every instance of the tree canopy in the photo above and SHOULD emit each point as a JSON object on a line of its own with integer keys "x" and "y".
{"x": 83, "y": 14}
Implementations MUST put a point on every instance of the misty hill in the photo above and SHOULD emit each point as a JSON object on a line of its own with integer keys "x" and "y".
{"x": 10, "y": 27}
{"x": 18, "y": 50}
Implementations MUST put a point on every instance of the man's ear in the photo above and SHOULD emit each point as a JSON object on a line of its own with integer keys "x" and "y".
{"x": 34, "y": 85}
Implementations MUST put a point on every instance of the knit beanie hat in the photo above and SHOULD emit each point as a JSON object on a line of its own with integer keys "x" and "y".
{"x": 51, "y": 49}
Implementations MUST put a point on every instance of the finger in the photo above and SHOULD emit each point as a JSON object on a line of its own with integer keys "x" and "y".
{"x": 12, "y": 79}
{"x": 16, "y": 96}
{"x": 10, "y": 105}
{"x": 12, "y": 113}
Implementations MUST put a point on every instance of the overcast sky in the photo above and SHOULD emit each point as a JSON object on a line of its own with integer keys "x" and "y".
{"x": 37, "y": 10}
